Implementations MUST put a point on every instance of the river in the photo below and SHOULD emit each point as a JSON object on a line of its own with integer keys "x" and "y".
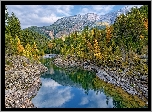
{"x": 76, "y": 88}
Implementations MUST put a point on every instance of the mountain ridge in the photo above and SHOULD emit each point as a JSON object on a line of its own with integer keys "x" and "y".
{"x": 66, "y": 25}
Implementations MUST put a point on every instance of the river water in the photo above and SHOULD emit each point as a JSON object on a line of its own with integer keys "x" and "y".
{"x": 76, "y": 88}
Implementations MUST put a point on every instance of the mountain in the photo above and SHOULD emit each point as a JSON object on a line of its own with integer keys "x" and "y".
{"x": 67, "y": 25}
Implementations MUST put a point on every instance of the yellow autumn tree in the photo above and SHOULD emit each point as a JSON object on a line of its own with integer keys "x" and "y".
{"x": 63, "y": 38}
{"x": 92, "y": 32}
{"x": 90, "y": 50}
{"x": 51, "y": 45}
{"x": 20, "y": 48}
{"x": 141, "y": 36}
{"x": 97, "y": 52}
{"x": 79, "y": 51}
{"x": 27, "y": 51}
{"x": 35, "y": 51}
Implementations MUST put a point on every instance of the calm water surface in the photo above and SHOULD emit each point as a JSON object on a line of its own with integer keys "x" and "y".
{"x": 76, "y": 88}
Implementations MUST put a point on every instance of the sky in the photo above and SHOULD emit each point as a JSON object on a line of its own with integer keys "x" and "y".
{"x": 45, "y": 15}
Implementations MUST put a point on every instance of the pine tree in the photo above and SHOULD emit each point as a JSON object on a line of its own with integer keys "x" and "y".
{"x": 13, "y": 26}
{"x": 130, "y": 28}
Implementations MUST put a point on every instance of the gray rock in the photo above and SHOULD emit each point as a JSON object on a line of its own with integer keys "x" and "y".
{"x": 20, "y": 77}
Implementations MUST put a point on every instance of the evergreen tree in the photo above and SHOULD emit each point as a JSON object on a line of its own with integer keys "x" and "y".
{"x": 129, "y": 28}
{"x": 13, "y": 26}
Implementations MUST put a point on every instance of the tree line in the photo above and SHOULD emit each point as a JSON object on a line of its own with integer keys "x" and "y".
{"x": 119, "y": 45}
{"x": 23, "y": 42}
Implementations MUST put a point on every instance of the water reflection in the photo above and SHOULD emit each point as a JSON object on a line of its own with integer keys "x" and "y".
{"x": 76, "y": 88}
{"x": 52, "y": 94}
{"x": 96, "y": 101}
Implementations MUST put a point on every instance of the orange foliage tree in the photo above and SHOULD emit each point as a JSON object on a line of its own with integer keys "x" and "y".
{"x": 146, "y": 23}
{"x": 109, "y": 33}
{"x": 20, "y": 48}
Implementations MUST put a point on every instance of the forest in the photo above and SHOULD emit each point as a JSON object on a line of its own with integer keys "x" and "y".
{"x": 23, "y": 42}
{"x": 123, "y": 44}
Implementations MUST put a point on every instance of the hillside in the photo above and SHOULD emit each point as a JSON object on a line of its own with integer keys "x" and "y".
{"x": 67, "y": 25}
{"x": 123, "y": 44}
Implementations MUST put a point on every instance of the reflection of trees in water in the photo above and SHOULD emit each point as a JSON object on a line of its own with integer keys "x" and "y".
{"x": 116, "y": 104}
{"x": 51, "y": 70}
{"x": 121, "y": 98}
{"x": 59, "y": 75}
{"x": 84, "y": 78}
{"x": 89, "y": 81}
{"x": 47, "y": 62}
{"x": 107, "y": 100}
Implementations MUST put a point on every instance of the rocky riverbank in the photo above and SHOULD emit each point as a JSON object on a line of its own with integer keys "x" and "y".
{"x": 134, "y": 85}
{"x": 22, "y": 81}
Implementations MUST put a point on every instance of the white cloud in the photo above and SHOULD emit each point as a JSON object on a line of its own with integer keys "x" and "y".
{"x": 84, "y": 11}
{"x": 55, "y": 99}
{"x": 66, "y": 9}
{"x": 100, "y": 101}
{"x": 102, "y": 9}
{"x": 87, "y": 10}
{"x": 60, "y": 11}
{"x": 84, "y": 101}
{"x": 49, "y": 19}
{"x": 50, "y": 83}
{"x": 130, "y": 6}
{"x": 52, "y": 97}
{"x": 96, "y": 100}
{"x": 108, "y": 8}
{"x": 39, "y": 15}
{"x": 97, "y": 9}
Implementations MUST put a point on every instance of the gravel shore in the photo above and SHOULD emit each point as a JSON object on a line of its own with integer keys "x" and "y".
{"x": 137, "y": 85}
{"x": 22, "y": 81}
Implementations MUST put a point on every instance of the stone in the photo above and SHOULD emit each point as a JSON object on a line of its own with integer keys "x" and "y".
{"x": 15, "y": 80}
{"x": 115, "y": 77}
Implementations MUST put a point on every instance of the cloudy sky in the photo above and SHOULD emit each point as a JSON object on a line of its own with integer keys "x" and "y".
{"x": 45, "y": 15}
